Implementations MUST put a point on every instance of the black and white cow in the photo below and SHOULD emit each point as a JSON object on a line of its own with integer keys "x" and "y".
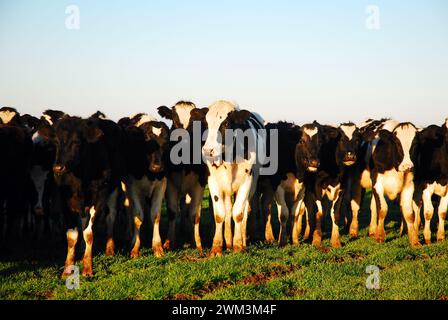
{"x": 392, "y": 176}
{"x": 146, "y": 160}
{"x": 297, "y": 157}
{"x": 88, "y": 170}
{"x": 228, "y": 175}
{"x": 338, "y": 151}
{"x": 44, "y": 153}
{"x": 431, "y": 175}
{"x": 185, "y": 181}
{"x": 359, "y": 176}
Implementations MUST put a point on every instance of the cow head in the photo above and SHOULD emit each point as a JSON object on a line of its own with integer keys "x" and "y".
{"x": 183, "y": 114}
{"x": 71, "y": 136}
{"x": 307, "y": 149}
{"x": 157, "y": 139}
{"x": 9, "y": 115}
{"x": 348, "y": 144}
{"x": 405, "y": 133}
{"x": 222, "y": 116}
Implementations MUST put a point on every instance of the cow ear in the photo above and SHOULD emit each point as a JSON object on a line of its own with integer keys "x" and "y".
{"x": 385, "y": 134}
{"x": 198, "y": 114}
{"x": 165, "y": 112}
{"x": 93, "y": 134}
{"x": 47, "y": 132}
{"x": 240, "y": 117}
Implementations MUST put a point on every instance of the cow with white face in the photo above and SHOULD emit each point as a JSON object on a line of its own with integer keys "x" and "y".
{"x": 185, "y": 181}
{"x": 229, "y": 175}
{"x": 392, "y": 175}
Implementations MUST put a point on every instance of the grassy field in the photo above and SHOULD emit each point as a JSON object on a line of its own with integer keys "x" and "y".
{"x": 263, "y": 272}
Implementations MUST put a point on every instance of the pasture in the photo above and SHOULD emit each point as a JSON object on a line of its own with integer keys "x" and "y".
{"x": 262, "y": 272}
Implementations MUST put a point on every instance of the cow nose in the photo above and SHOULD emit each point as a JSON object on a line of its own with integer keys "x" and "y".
{"x": 156, "y": 168}
{"x": 313, "y": 165}
{"x": 208, "y": 152}
{"x": 59, "y": 169}
{"x": 39, "y": 211}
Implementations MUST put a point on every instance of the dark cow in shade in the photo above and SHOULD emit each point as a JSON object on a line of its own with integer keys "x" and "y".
{"x": 88, "y": 169}
{"x": 146, "y": 160}
{"x": 431, "y": 176}
{"x": 231, "y": 176}
{"x": 338, "y": 151}
{"x": 392, "y": 176}
{"x": 186, "y": 181}
{"x": 15, "y": 164}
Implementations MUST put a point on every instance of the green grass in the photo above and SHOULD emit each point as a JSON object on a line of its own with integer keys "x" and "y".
{"x": 263, "y": 272}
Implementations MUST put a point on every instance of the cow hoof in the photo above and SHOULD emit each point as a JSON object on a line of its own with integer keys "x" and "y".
{"x": 134, "y": 254}
{"x": 440, "y": 239}
{"x": 428, "y": 241}
{"x": 416, "y": 245}
{"x": 199, "y": 249}
{"x": 336, "y": 244}
{"x": 158, "y": 252}
{"x": 317, "y": 243}
{"x": 87, "y": 272}
{"x": 353, "y": 234}
{"x": 379, "y": 240}
{"x": 110, "y": 252}
{"x": 216, "y": 252}
{"x": 238, "y": 249}
{"x": 167, "y": 245}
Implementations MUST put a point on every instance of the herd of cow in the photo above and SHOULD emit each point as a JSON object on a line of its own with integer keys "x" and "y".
{"x": 81, "y": 168}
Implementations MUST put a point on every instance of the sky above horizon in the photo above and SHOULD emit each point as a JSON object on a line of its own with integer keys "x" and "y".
{"x": 286, "y": 60}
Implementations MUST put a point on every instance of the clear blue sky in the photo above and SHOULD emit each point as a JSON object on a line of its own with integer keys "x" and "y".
{"x": 287, "y": 60}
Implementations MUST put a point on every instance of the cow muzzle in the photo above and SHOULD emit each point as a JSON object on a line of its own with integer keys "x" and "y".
{"x": 59, "y": 169}
{"x": 156, "y": 168}
{"x": 349, "y": 159}
{"x": 313, "y": 165}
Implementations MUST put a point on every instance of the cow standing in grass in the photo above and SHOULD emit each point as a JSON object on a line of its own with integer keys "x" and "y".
{"x": 146, "y": 155}
{"x": 431, "y": 176}
{"x": 87, "y": 170}
{"x": 392, "y": 176}
{"x": 185, "y": 181}
{"x": 231, "y": 176}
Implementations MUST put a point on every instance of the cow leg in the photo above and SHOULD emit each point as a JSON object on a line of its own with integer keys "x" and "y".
{"x": 195, "y": 214}
{"x": 173, "y": 210}
{"x": 428, "y": 211}
{"x": 219, "y": 212}
{"x": 373, "y": 217}
{"x": 317, "y": 234}
{"x": 244, "y": 224}
{"x": 238, "y": 213}
{"x": 138, "y": 215}
{"x": 406, "y": 204}
{"x": 266, "y": 203}
{"x": 110, "y": 222}
{"x": 283, "y": 215}
{"x": 228, "y": 236}
{"x": 335, "y": 216}
{"x": 72, "y": 239}
{"x": 355, "y": 204}
{"x": 299, "y": 209}
{"x": 88, "y": 238}
{"x": 382, "y": 208}
{"x": 443, "y": 205}
{"x": 307, "y": 232}
{"x": 156, "y": 207}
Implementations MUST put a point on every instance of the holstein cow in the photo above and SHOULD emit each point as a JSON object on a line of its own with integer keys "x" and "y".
{"x": 338, "y": 150}
{"x": 186, "y": 181}
{"x": 15, "y": 164}
{"x": 44, "y": 154}
{"x": 359, "y": 177}
{"x": 431, "y": 175}
{"x": 393, "y": 175}
{"x": 88, "y": 170}
{"x": 146, "y": 157}
{"x": 297, "y": 157}
{"x": 228, "y": 175}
